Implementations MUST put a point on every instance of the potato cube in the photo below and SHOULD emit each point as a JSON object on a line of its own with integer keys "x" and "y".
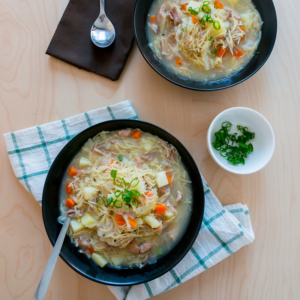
{"x": 84, "y": 162}
{"x": 168, "y": 214}
{"x": 214, "y": 32}
{"x": 150, "y": 220}
{"x": 117, "y": 260}
{"x": 89, "y": 192}
{"x": 148, "y": 146}
{"x": 99, "y": 260}
{"x": 162, "y": 179}
{"x": 194, "y": 5}
{"x": 88, "y": 220}
{"x": 76, "y": 226}
{"x": 139, "y": 221}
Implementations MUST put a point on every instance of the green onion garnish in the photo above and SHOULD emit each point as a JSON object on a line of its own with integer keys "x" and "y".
{"x": 117, "y": 193}
{"x": 216, "y": 7}
{"x": 120, "y": 158}
{"x": 113, "y": 173}
{"x": 193, "y": 11}
{"x": 160, "y": 250}
{"x": 127, "y": 206}
{"x": 135, "y": 193}
{"x": 100, "y": 200}
{"x": 206, "y": 8}
{"x": 109, "y": 201}
{"x": 213, "y": 53}
{"x": 209, "y": 18}
{"x": 211, "y": 39}
{"x": 217, "y": 25}
{"x": 185, "y": 29}
{"x": 134, "y": 202}
{"x": 132, "y": 184}
{"x": 232, "y": 146}
{"x": 118, "y": 204}
{"x": 206, "y": 2}
{"x": 202, "y": 20}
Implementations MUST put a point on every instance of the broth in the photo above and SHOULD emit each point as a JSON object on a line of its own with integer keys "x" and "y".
{"x": 107, "y": 225}
{"x": 187, "y": 36}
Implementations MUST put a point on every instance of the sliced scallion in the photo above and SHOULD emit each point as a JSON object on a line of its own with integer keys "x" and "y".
{"x": 133, "y": 184}
{"x": 100, "y": 200}
{"x": 118, "y": 204}
{"x": 160, "y": 250}
{"x": 213, "y": 53}
{"x": 109, "y": 201}
{"x": 193, "y": 11}
{"x": 117, "y": 193}
{"x": 217, "y": 25}
{"x": 206, "y": 8}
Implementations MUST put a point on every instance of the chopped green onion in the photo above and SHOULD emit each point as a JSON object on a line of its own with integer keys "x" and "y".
{"x": 160, "y": 250}
{"x": 118, "y": 204}
{"x": 134, "y": 202}
{"x": 217, "y": 25}
{"x": 216, "y": 7}
{"x": 193, "y": 11}
{"x": 119, "y": 182}
{"x": 135, "y": 193}
{"x": 206, "y": 9}
{"x": 117, "y": 193}
{"x": 213, "y": 53}
{"x": 124, "y": 182}
{"x": 185, "y": 29}
{"x": 206, "y": 2}
{"x": 100, "y": 198}
{"x": 113, "y": 173}
{"x": 211, "y": 40}
{"x": 109, "y": 201}
{"x": 126, "y": 198}
{"x": 133, "y": 180}
{"x": 120, "y": 158}
{"x": 202, "y": 20}
{"x": 209, "y": 18}
{"x": 232, "y": 146}
{"x": 127, "y": 206}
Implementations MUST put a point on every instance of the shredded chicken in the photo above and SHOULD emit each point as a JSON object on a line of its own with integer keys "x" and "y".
{"x": 145, "y": 247}
{"x": 175, "y": 15}
{"x": 125, "y": 132}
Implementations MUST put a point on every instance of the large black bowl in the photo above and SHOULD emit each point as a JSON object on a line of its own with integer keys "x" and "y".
{"x": 79, "y": 262}
{"x": 269, "y": 30}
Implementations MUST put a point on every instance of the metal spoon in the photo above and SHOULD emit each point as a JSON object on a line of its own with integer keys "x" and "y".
{"x": 45, "y": 280}
{"x": 103, "y": 32}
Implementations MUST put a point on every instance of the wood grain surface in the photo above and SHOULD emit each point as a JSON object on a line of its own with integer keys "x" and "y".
{"x": 35, "y": 89}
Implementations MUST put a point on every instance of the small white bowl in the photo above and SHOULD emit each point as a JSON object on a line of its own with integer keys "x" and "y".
{"x": 263, "y": 143}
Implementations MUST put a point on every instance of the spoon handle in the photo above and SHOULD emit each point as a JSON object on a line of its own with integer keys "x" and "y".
{"x": 102, "y": 7}
{"x": 45, "y": 280}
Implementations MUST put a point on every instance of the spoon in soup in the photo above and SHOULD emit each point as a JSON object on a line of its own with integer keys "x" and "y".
{"x": 46, "y": 277}
{"x": 103, "y": 32}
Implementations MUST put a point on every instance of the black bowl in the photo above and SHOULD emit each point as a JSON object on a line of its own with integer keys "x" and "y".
{"x": 269, "y": 30}
{"x": 79, "y": 262}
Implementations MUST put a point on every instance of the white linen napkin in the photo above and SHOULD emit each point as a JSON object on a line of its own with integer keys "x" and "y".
{"x": 224, "y": 230}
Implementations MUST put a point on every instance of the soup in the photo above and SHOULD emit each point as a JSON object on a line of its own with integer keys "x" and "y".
{"x": 204, "y": 40}
{"x": 129, "y": 198}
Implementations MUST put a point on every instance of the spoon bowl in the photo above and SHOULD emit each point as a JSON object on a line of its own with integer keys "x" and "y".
{"x": 103, "y": 32}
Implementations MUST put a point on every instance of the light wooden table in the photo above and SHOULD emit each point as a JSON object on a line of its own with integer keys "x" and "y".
{"x": 35, "y": 89}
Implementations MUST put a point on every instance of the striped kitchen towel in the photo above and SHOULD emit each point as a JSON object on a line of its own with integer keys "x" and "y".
{"x": 224, "y": 230}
